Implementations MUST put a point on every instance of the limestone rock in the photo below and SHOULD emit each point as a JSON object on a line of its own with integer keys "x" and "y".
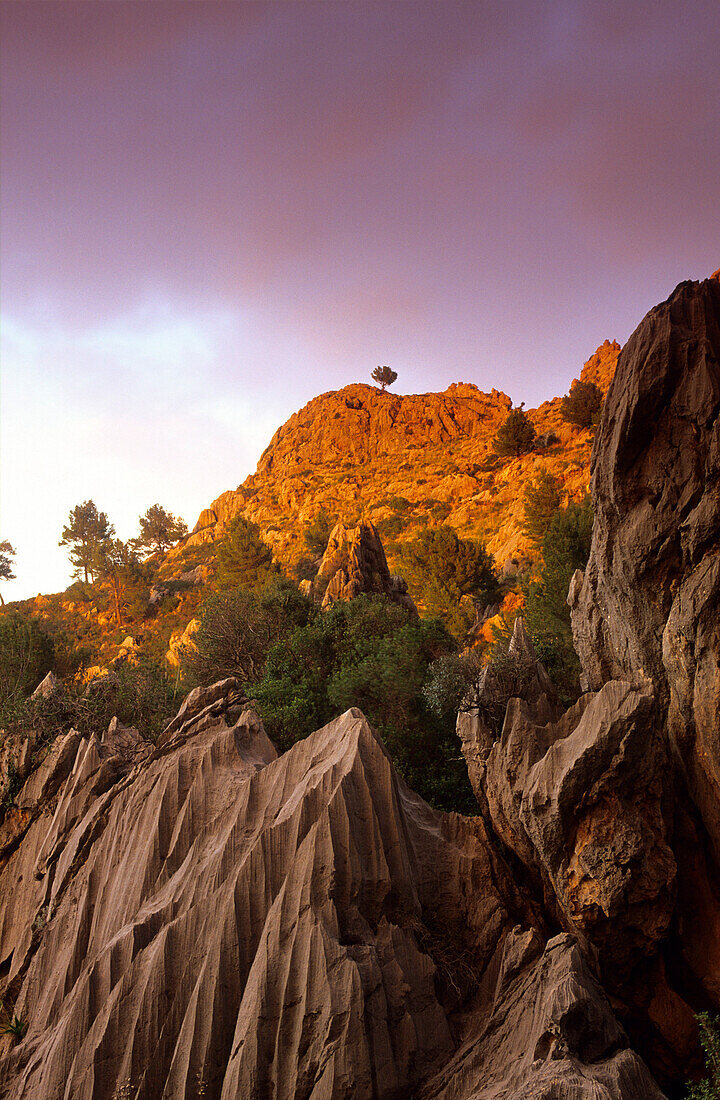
{"x": 209, "y": 919}
{"x": 47, "y": 687}
{"x": 650, "y": 598}
{"x": 550, "y": 1034}
{"x": 181, "y": 643}
{"x": 354, "y": 563}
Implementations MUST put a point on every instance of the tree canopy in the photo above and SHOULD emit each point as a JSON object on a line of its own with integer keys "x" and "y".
{"x": 515, "y": 436}
{"x": 159, "y": 529}
{"x": 7, "y": 553}
{"x": 317, "y": 533}
{"x": 384, "y": 376}
{"x": 541, "y": 502}
{"x": 582, "y": 406}
{"x": 26, "y": 654}
{"x": 244, "y": 558}
{"x": 85, "y": 530}
{"x": 441, "y": 568}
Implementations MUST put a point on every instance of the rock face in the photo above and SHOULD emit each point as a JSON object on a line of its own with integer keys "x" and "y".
{"x": 354, "y": 563}
{"x": 359, "y": 453}
{"x": 203, "y": 918}
{"x": 650, "y": 599}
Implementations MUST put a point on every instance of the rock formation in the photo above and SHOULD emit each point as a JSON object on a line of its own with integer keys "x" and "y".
{"x": 614, "y": 807}
{"x": 357, "y": 453}
{"x": 354, "y": 562}
{"x": 203, "y": 918}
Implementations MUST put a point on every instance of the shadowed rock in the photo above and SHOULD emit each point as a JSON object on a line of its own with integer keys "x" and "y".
{"x": 354, "y": 563}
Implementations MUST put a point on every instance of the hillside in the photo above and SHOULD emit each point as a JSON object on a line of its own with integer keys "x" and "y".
{"x": 401, "y": 461}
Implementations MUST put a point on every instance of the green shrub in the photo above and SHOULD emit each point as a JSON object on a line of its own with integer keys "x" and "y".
{"x": 317, "y": 533}
{"x": 541, "y": 502}
{"x": 372, "y": 654}
{"x": 515, "y": 436}
{"x": 709, "y": 1087}
{"x": 244, "y": 558}
{"x": 582, "y": 406}
{"x": 440, "y": 568}
{"x": 27, "y": 654}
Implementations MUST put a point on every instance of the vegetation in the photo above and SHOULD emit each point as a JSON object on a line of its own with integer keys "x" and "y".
{"x": 372, "y": 654}
{"x": 238, "y": 627}
{"x": 317, "y": 533}
{"x": 27, "y": 654}
{"x": 11, "y": 1025}
{"x": 582, "y": 406}
{"x": 384, "y": 376}
{"x": 116, "y": 564}
{"x": 440, "y": 568}
{"x": 565, "y": 548}
{"x": 85, "y": 530}
{"x": 709, "y": 1087}
{"x": 7, "y": 553}
{"x": 541, "y": 502}
{"x": 515, "y": 436}
{"x": 244, "y": 558}
{"x": 158, "y": 531}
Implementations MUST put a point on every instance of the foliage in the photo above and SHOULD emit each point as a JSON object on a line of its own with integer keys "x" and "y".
{"x": 244, "y": 559}
{"x": 7, "y": 553}
{"x": 26, "y": 654}
{"x": 85, "y": 530}
{"x": 11, "y": 1025}
{"x": 317, "y": 533}
{"x": 450, "y": 681}
{"x": 565, "y": 548}
{"x": 116, "y": 564}
{"x": 158, "y": 530}
{"x": 441, "y": 568}
{"x": 541, "y": 501}
{"x": 374, "y": 655}
{"x": 141, "y": 694}
{"x": 709, "y": 1087}
{"x": 515, "y": 436}
{"x": 384, "y": 376}
{"x": 238, "y": 627}
{"x": 582, "y": 405}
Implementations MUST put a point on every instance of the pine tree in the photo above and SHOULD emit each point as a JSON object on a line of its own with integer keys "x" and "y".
{"x": 244, "y": 559}
{"x": 7, "y": 553}
{"x": 85, "y": 530}
{"x": 515, "y": 436}
{"x": 582, "y": 405}
{"x": 384, "y": 376}
{"x": 116, "y": 564}
{"x": 158, "y": 530}
{"x": 541, "y": 502}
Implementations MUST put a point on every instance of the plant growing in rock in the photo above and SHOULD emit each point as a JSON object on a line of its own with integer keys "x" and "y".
{"x": 317, "y": 533}
{"x": 709, "y": 1087}
{"x": 384, "y": 376}
{"x": 11, "y": 1025}
{"x": 515, "y": 436}
{"x": 582, "y": 406}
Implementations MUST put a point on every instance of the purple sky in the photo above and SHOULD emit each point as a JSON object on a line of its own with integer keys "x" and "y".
{"x": 213, "y": 212}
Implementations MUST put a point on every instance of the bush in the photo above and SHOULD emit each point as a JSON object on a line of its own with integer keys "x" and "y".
{"x": 441, "y": 568}
{"x": 238, "y": 627}
{"x": 374, "y": 655}
{"x": 709, "y": 1087}
{"x": 582, "y": 405}
{"x": 515, "y": 436}
{"x": 27, "y": 654}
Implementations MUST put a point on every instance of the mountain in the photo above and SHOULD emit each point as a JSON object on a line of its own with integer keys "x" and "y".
{"x": 400, "y": 461}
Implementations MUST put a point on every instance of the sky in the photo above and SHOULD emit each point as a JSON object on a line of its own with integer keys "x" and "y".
{"x": 212, "y": 212}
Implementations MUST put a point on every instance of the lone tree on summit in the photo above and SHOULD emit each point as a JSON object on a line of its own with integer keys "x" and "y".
{"x": 384, "y": 376}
